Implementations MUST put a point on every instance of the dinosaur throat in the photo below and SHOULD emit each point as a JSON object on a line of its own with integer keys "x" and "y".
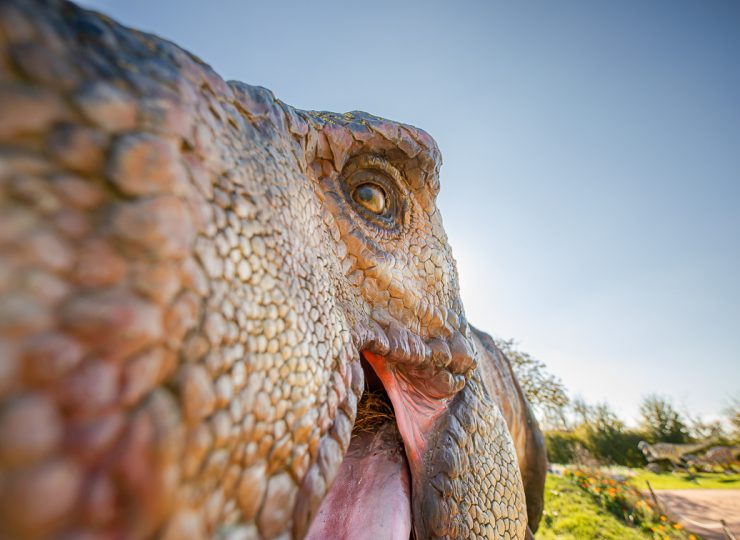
{"x": 371, "y": 496}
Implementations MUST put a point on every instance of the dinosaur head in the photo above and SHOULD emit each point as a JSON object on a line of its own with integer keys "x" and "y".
{"x": 204, "y": 285}
{"x": 379, "y": 181}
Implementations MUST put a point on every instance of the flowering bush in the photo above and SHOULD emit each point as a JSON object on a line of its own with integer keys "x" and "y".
{"x": 627, "y": 503}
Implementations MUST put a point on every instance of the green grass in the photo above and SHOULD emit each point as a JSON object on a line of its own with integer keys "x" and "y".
{"x": 572, "y": 514}
{"x": 684, "y": 481}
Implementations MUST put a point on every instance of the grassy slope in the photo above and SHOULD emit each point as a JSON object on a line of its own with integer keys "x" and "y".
{"x": 682, "y": 481}
{"x": 571, "y": 514}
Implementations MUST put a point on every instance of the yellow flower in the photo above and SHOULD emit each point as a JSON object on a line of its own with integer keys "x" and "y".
{"x": 692, "y": 537}
{"x": 663, "y": 518}
{"x": 677, "y": 526}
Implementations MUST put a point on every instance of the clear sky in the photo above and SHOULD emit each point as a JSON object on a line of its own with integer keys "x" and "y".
{"x": 591, "y": 185}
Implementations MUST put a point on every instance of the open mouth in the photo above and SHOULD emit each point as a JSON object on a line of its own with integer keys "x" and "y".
{"x": 373, "y": 493}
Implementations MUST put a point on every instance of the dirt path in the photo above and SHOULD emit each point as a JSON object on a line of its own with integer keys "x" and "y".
{"x": 700, "y": 510}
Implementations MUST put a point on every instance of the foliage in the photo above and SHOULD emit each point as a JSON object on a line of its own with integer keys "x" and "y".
{"x": 609, "y": 441}
{"x": 701, "y": 430}
{"x": 625, "y": 451}
{"x": 582, "y": 411}
{"x": 683, "y": 480}
{"x": 601, "y": 433}
{"x": 561, "y": 446}
{"x": 582, "y": 433}
{"x": 571, "y": 514}
{"x": 544, "y": 391}
{"x": 732, "y": 412}
{"x": 661, "y": 422}
{"x": 608, "y": 447}
{"x": 626, "y": 503}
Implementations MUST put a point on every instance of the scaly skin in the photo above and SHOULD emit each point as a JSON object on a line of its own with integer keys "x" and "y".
{"x": 185, "y": 290}
{"x": 529, "y": 442}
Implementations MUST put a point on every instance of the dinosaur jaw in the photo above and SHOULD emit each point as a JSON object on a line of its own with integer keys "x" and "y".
{"x": 372, "y": 495}
{"x": 416, "y": 413}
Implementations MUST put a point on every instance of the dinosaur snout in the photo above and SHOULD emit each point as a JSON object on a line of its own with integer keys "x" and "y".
{"x": 439, "y": 365}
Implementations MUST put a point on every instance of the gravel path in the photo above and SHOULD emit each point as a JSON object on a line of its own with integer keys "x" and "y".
{"x": 700, "y": 510}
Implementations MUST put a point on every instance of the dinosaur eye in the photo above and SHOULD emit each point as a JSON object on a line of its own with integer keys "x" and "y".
{"x": 375, "y": 191}
{"x": 371, "y": 197}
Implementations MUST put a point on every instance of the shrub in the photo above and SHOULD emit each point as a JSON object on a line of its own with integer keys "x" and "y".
{"x": 604, "y": 443}
{"x": 615, "y": 447}
{"x": 561, "y": 446}
{"x": 572, "y": 514}
{"x": 661, "y": 422}
{"x": 626, "y": 503}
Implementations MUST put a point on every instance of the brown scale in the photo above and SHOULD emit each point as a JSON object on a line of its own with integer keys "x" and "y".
{"x": 186, "y": 288}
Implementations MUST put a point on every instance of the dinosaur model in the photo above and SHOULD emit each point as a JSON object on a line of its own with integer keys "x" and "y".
{"x": 672, "y": 453}
{"x": 205, "y": 293}
{"x": 726, "y": 458}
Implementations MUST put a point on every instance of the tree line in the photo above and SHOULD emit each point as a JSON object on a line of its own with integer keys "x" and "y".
{"x": 579, "y": 431}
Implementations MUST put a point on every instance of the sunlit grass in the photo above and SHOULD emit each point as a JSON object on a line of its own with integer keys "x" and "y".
{"x": 588, "y": 503}
{"x": 572, "y": 514}
{"x": 684, "y": 480}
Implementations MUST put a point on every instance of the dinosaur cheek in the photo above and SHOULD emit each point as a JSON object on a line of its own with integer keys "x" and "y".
{"x": 373, "y": 293}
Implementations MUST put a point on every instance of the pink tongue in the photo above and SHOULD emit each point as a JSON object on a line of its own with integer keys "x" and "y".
{"x": 371, "y": 496}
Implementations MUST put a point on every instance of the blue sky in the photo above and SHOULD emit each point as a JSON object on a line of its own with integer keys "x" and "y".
{"x": 591, "y": 185}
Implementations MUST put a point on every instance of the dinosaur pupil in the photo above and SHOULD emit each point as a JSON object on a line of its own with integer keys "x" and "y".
{"x": 370, "y": 197}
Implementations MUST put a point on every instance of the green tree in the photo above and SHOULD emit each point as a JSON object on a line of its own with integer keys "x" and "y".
{"x": 732, "y": 413}
{"x": 561, "y": 446}
{"x": 702, "y": 429}
{"x": 544, "y": 390}
{"x": 608, "y": 439}
{"x": 660, "y": 421}
{"x": 582, "y": 411}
